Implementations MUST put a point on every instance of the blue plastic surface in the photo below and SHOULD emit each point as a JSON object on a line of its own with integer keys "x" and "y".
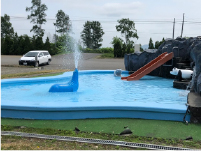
{"x": 71, "y": 86}
{"x": 100, "y": 95}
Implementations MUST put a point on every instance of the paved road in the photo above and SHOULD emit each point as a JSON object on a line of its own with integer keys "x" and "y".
{"x": 87, "y": 61}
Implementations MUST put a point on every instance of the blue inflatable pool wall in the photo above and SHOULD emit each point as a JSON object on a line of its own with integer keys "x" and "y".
{"x": 71, "y": 86}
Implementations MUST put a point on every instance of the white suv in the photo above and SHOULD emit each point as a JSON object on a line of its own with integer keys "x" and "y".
{"x": 35, "y": 58}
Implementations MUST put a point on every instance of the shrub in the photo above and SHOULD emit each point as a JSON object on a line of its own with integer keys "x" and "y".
{"x": 100, "y": 50}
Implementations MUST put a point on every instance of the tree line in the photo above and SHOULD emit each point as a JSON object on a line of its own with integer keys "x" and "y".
{"x": 19, "y": 45}
{"x": 157, "y": 44}
{"x": 91, "y": 35}
{"x": 12, "y": 44}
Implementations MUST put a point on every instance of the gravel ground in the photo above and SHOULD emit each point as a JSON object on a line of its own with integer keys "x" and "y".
{"x": 88, "y": 61}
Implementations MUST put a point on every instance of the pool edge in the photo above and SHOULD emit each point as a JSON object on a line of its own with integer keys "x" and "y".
{"x": 89, "y": 113}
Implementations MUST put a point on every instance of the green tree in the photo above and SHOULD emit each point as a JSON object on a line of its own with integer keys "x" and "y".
{"x": 33, "y": 43}
{"x": 129, "y": 47}
{"x": 21, "y": 45}
{"x": 8, "y": 45}
{"x": 92, "y": 34}
{"x": 39, "y": 43}
{"x": 50, "y": 47}
{"x": 86, "y": 35}
{"x": 47, "y": 44}
{"x": 6, "y": 26}
{"x": 124, "y": 48}
{"x": 61, "y": 43}
{"x": 55, "y": 37}
{"x": 2, "y": 46}
{"x": 127, "y": 29}
{"x": 63, "y": 23}
{"x": 15, "y": 44}
{"x": 118, "y": 47}
{"x": 157, "y": 44}
{"x": 65, "y": 43}
{"x": 162, "y": 41}
{"x": 53, "y": 50}
{"x": 27, "y": 44}
{"x": 151, "y": 45}
{"x": 37, "y": 16}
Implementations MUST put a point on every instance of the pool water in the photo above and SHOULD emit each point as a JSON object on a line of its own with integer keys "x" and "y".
{"x": 95, "y": 89}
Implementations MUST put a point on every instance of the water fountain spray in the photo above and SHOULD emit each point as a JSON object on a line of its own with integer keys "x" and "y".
{"x": 73, "y": 84}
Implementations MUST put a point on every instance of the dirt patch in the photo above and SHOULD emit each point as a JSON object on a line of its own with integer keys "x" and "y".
{"x": 20, "y": 143}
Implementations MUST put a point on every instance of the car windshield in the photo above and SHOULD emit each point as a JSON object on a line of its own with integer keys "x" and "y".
{"x": 31, "y": 54}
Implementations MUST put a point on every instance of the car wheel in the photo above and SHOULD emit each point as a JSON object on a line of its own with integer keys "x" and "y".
{"x": 36, "y": 64}
{"x": 48, "y": 62}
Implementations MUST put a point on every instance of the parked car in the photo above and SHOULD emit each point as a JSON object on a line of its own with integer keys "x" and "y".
{"x": 35, "y": 58}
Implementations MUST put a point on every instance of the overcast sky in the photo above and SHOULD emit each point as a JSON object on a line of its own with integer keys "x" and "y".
{"x": 153, "y": 18}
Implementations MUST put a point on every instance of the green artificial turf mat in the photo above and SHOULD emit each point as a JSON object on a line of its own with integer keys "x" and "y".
{"x": 139, "y": 127}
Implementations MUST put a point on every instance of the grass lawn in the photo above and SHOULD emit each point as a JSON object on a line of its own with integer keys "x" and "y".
{"x": 165, "y": 133}
{"x": 43, "y": 73}
{"x": 106, "y": 55}
{"x": 139, "y": 127}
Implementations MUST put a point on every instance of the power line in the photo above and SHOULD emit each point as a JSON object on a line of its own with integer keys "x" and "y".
{"x": 17, "y": 18}
{"x": 136, "y": 21}
{"x": 118, "y": 32}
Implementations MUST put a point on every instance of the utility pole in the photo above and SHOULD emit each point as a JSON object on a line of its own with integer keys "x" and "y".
{"x": 182, "y": 25}
{"x": 173, "y": 29}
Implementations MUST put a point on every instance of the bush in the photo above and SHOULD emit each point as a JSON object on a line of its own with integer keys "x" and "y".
{"x": 53, "y": 49}
{"x": 100, "y": 50}
{"x": 107, "y": 50}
